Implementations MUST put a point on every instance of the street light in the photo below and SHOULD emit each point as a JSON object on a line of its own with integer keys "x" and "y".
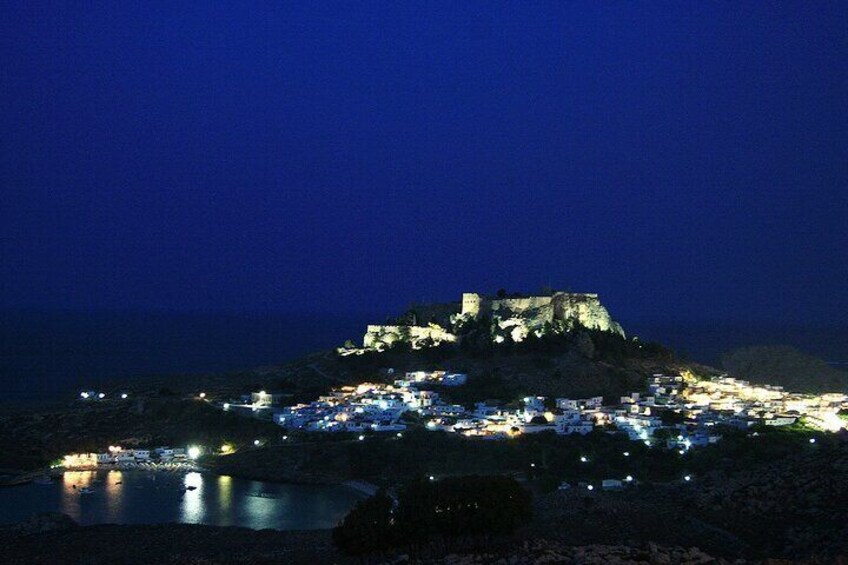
{"x": 193, "y": 452}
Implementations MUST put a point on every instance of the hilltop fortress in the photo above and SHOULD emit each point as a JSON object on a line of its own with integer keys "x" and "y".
{"x": 512, "y": 317}
{"x": 535, "y": 311}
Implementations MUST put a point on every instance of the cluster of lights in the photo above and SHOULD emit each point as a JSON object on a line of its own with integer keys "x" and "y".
{"x": 85, "y": 395}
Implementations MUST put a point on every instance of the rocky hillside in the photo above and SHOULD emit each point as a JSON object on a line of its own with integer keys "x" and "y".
{"x": 794, "y": 506}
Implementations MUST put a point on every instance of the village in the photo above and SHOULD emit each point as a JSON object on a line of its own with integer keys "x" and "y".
{"x": 676, "y": 412}
{"x": 117, "y": 457}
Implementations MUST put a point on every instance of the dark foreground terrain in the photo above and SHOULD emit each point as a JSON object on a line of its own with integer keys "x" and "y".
{"x": 757, "y": 503}
{"x": 55, "y": 539}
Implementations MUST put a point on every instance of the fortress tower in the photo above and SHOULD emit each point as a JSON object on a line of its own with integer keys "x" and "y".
{"x": 471, "y": 303}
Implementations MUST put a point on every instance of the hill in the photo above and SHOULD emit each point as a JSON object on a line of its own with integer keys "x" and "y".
{"x": 786, "y": 366}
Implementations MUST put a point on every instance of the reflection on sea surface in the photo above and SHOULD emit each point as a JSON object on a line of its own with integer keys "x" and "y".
{"x": 72, "y": 484}
{"x": 225, "y": 498}
{"x": 114, "y": 495}
{"x": 145, "y": 497}
{"x": 193, "y": 508}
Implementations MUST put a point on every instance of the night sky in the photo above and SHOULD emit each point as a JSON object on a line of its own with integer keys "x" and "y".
{"x": 685, "y": 160}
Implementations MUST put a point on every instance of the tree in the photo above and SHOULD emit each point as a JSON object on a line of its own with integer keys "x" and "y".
{"x": 462, "y": 506}
{"x": 366, "y": 528}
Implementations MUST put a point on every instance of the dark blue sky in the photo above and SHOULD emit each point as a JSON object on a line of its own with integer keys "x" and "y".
{"x": 686, "y": 160}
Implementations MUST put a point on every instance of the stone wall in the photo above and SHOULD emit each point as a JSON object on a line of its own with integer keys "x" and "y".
{"x": 378, "y": 336}
{"x": 535, "y": 311}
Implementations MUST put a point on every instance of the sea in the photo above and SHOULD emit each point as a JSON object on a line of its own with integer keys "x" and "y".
{"x": 47, "y": 354}
{"x": 188, "y": 497}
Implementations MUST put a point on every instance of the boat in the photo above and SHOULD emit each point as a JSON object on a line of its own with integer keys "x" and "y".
{"x": 85, "y": 490}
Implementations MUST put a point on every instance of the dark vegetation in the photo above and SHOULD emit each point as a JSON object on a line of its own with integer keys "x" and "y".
{"x": 770, "y": 495}
{"x": 450, "y": 513}
{"x": 546, "y": 459}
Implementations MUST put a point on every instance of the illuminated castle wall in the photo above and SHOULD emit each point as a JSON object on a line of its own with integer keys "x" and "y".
{"x": 538, "y": 310}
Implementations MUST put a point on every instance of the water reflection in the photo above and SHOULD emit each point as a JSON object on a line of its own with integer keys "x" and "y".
{"x": 72, "y": 483}
{"x": 114, "y": 495}
{"x": 192, "y": 509}
{"x": 259, "y": 510}
{"x": 225, "y": 498}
